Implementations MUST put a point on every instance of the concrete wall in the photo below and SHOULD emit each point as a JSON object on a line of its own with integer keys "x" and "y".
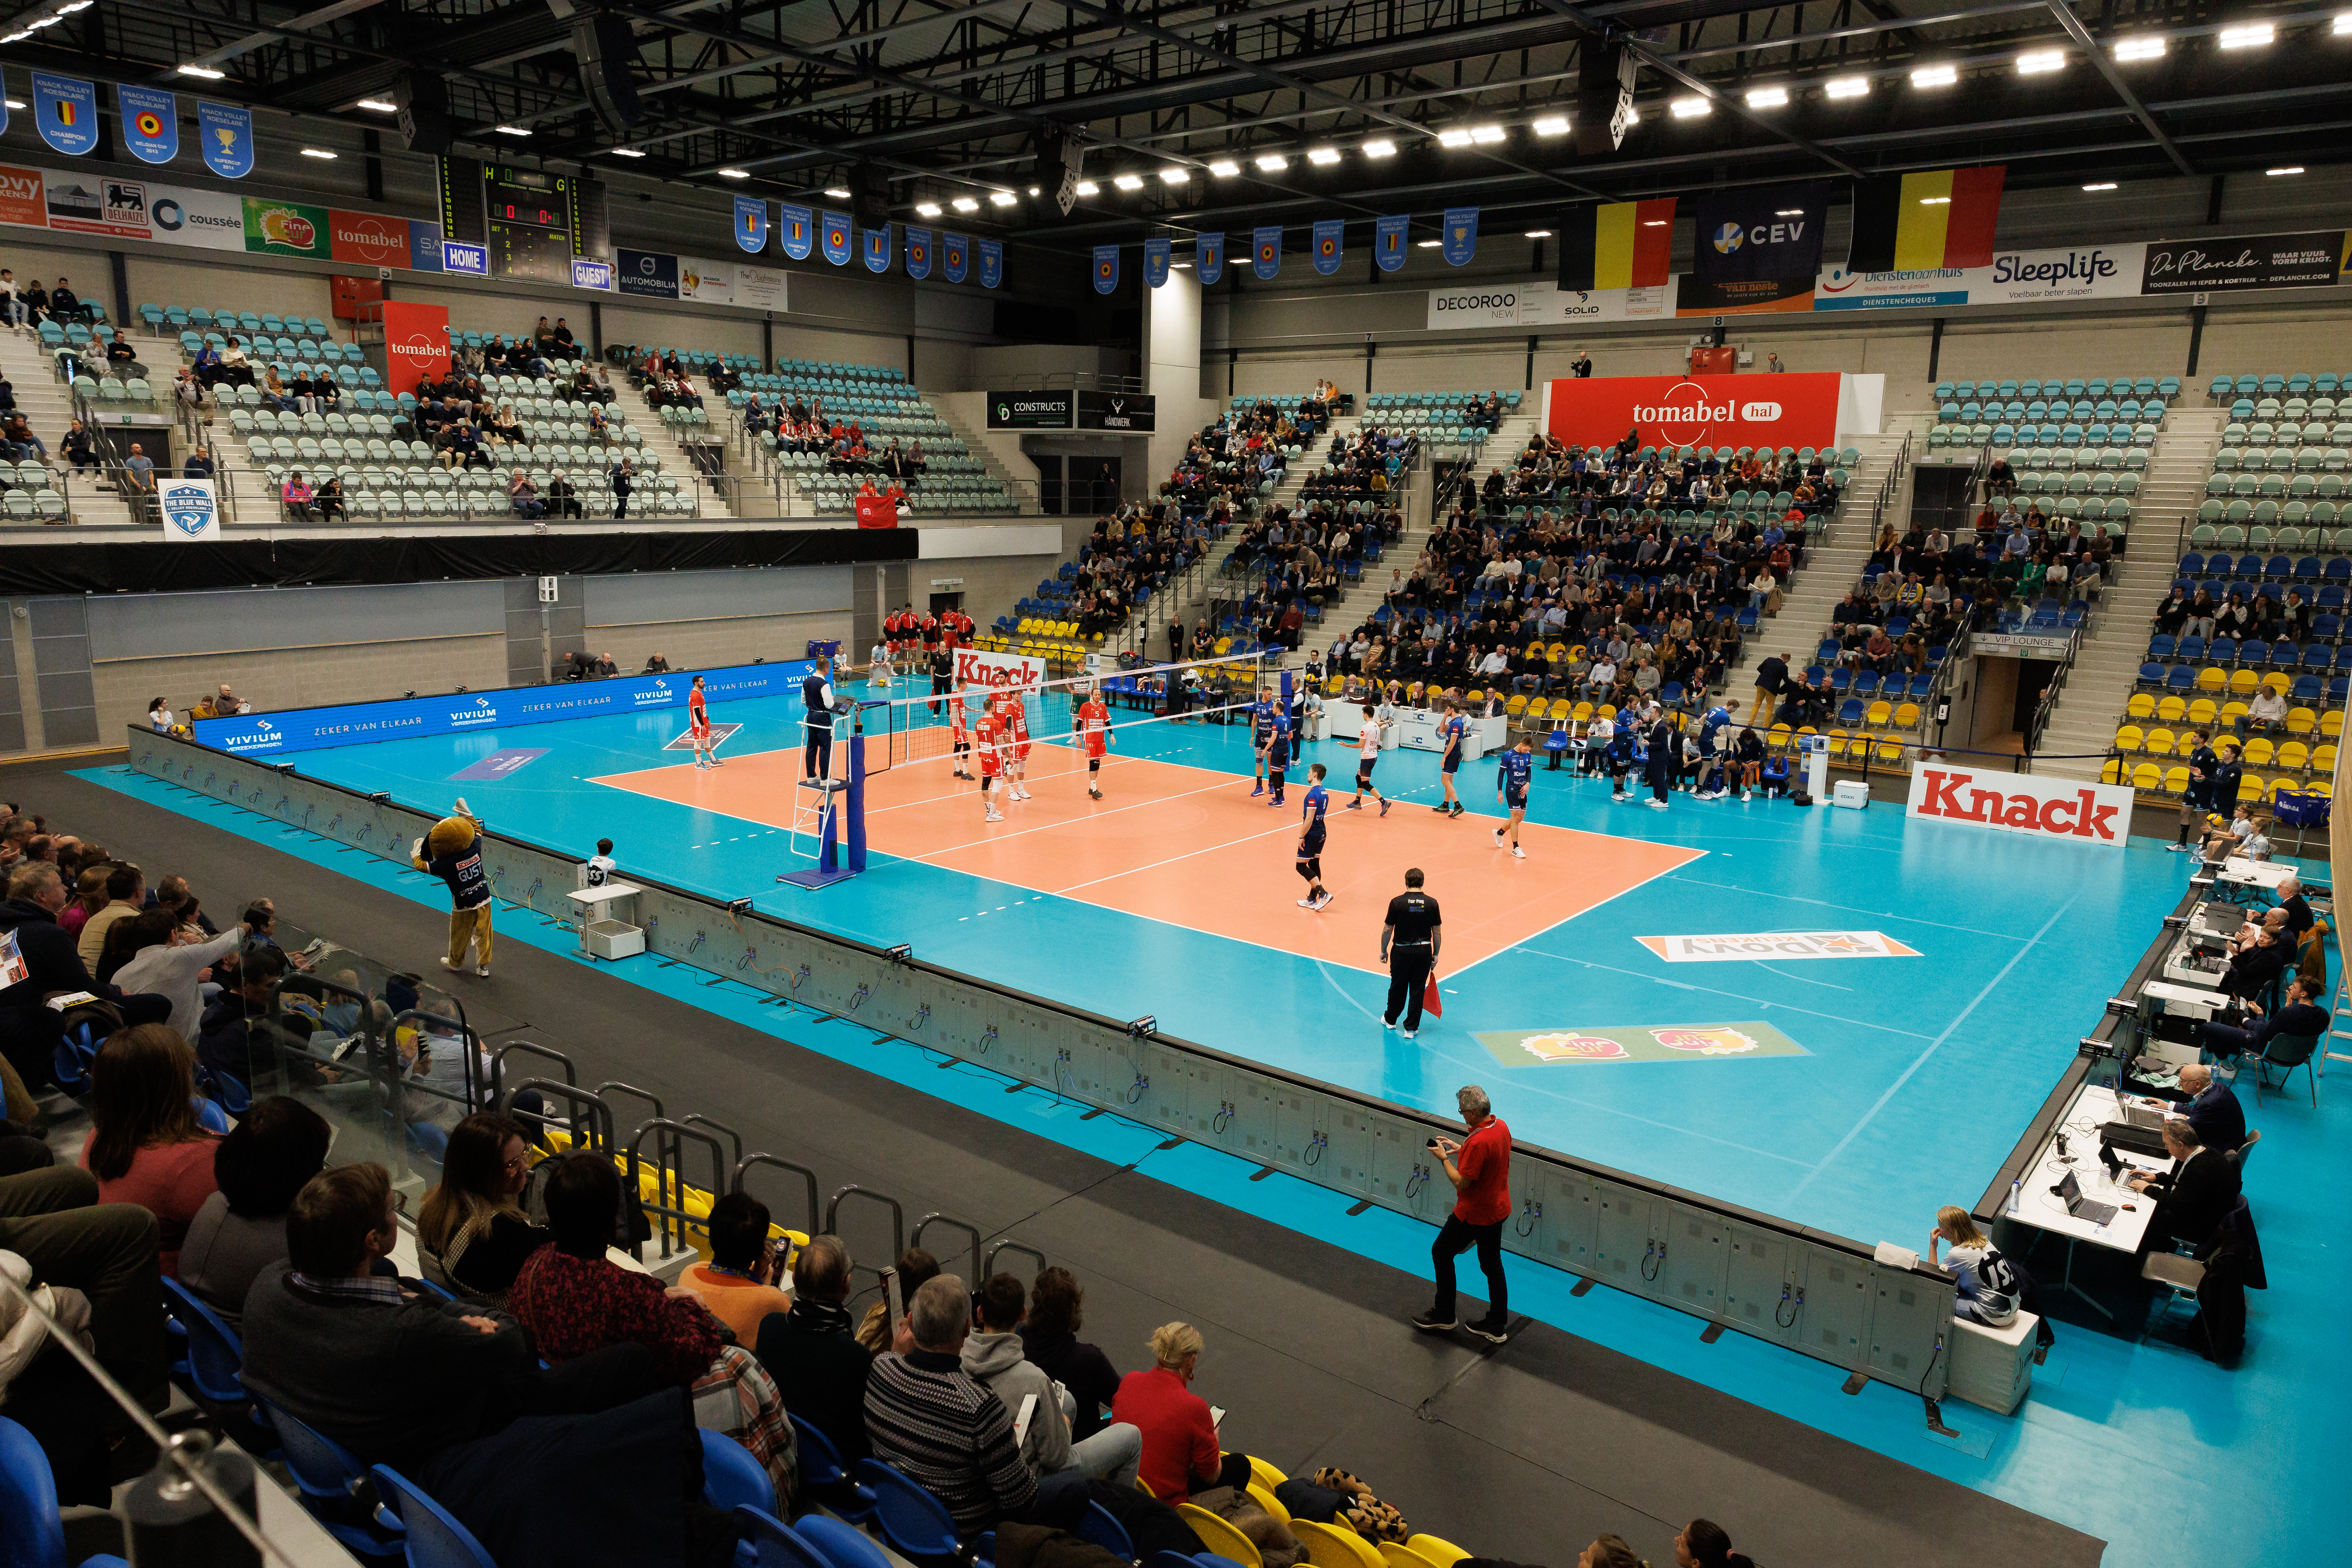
{"x": 1173, "y": 355}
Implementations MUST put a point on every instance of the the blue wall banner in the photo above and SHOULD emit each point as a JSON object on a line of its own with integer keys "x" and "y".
{"x": 877, "y": 249}
{"x": 991, "y": 263}
{"x": 955, "y": 251}
{"x": 1266, "y": 250}
{"x": 1155, "y": 262}
{"x": 1106, "y": 268}
{"x": 919, "y": 252}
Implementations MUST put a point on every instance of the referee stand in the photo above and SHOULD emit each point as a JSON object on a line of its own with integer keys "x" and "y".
{"x": 821, "y": 807}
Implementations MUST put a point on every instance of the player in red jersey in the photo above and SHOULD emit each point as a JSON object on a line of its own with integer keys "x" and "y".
{"x": 989, "y": 734}
{"x": 699, "y": 732}
{"x": 959, "y": 738}
{"x": 890, "y": 644}
{"x": 1092, "y": 723}
{"x": 1016, "y": 729}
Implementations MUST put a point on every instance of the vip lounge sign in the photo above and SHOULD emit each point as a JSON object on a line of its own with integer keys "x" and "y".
{"x": 2019, "y": 803}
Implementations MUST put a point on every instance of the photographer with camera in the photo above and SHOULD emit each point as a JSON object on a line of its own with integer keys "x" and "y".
{"x": 1480, "y": 1169}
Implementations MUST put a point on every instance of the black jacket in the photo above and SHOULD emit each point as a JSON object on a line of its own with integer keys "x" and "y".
{"x": 1082, "y": 1369}
{"x": 29, "y": 1032}
{"x": 2193, "y": 1199}
{"x": 821, "y": 1373}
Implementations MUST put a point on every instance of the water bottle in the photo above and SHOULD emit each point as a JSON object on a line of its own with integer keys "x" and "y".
{"x": 2013, "y": 1190}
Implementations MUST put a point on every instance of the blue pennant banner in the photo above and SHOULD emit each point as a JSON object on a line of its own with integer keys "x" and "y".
{"x": 66, "y": 110}
{"x": 991, "y": 263}
{"x": 919, "y": 252}
{"x": 1266, "y": 250}
{"x": 877, "y": 249}
{"x": 833, "y": 234}
{"x": 1329, "y": 236}
{"x": 4, "y": 108}
{"x": 225, "y": 131}
{"x": 1155, "y": 262}
{"x": 796, "y": 230}
{"x": 1460, "y": 235}
{"x": 151, "y": 122}
{"x": 1389, "y": 240}
{"x": 751, "y": 223}
{"x": 1106, "y": 268}
{"x": 956, "y": 253}
{"x": 1209, "y": 252}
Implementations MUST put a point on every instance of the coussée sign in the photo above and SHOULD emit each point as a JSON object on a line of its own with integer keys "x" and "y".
{"x": 1697, "y": 410}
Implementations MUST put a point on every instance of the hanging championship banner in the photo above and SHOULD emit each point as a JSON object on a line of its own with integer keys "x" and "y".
{"x": 151, "y": 122}
{"x": 919, "y": 252}
{"x": 1209, "y": 254}
{"x": 795, "y": 230}
{"x": 1266, "y": 250}
{"x": 1106, "y": 268}
{"x": 877, "y": 249}
{"x": 955, "y": 254}
{"x": 225, "y": 131}
{"x": 65, "y": 109}
{"x": 991, "y": 263}
{"x": 1460, "y": 234}
{"x": 1155, "y": 262}
{"x": 833, "y": 234}
{"x": 1329, "y": 236}
{"x": 1388, "y": 240}
{"x": 1759, "y": 249}
{"x": 751, "y": 223}
{"x": 4, "y": 108}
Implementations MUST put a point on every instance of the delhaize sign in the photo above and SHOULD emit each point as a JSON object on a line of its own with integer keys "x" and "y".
{"x": 2021, "y": 803}
{"x": 1792, "y": 410}
{"x": 415, "y": 342}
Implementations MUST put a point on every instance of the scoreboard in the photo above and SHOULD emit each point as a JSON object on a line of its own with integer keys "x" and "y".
{"x": 531, "y": 223}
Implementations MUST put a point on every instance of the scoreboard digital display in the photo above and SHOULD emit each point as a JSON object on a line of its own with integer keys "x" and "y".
{"x": 528, "y": 251}
{"x": 527, "y": 196}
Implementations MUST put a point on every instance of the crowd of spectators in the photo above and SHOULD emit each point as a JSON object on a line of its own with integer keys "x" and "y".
{"x": 1135, "y": 550}
{"x": 800, "y": 425}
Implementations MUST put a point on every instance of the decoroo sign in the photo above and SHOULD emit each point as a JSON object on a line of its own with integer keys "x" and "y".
{"x": 1791, "y": 410}
{"x": 2021, "y": 802}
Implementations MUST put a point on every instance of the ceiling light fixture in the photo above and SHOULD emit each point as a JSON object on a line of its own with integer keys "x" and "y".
{"x": 1654, "y": 223}
{"x": 1181, "y": 266}
{"x": 2040, "y": 62}
{"x": 1787, "y": 212}
{"x": 2150, "y": 48}
{"x": 2102, "y": 185}
{"x": 2343, "y": 27}
{"x": 1633, "y": 115}
{"x": 734, "y": 174}
{"x": 206, "y": 72}
{"x": 626, "y": 152}
{"x": 965, "y": 205}
{"x": 1551, "y": 125}
{"x": 2290, "y": 169}
{"x": 1691, "y": 108}
{"x": 2252, "y": 36}
{"x": 838, "y": 193}
{"x": 1538, "y": 234}
{"x": 1273, "y": 162}
{"x": 1847, "y": 87}
{"x": 378, "y": 105}
{"x": 1426, "y": 243}
{"x": 511, "y": 129}
{"x": 1487, "y": 135}
{"x": 927, "y": 209}
{"x": 1032, "y": 190}
{"x": 1224, "y": 168}
{"x": 1935, "y": 201}
{"x": 1089, "y": 188}
{"x": 1128, "y": 182}
{"x": 1381, "y": 148}
{"x": 318, "y": 153}
{"x": 1935, "y": 76}
{"x": 1003, "y": 199}
{"x": 1767, "y": 97}
{"x": 1175, "y": 174}
{"x": 1456, "y": 137}
{"x": 1323, "y": 157}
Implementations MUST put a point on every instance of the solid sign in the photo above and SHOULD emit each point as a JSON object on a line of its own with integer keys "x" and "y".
{"x": 650, "y": 273}
{"x": 2017, "y": 645}
{"x": 2014, "y": 278}
{"x": 2254, "y": 261}
{"x": 1637, "y": 1043}
{"x": 1798, "y": 409}
{"x": 415, "y": 342}
{"x": 311, "y": 729}
{"x": 191, "y": 510}
{"x": 1776, "y": 945}
{"x": 1030, "y": 410}
{"x": 1129, "y": 411}
{"x": 207, "y": 218}
{"x": 367, "y": 239}
{"x": 471, "y": 260}
{"x": 1760, "y": 249}
{"x": 289, "y": 228}
{"x": 2021, "y": 802}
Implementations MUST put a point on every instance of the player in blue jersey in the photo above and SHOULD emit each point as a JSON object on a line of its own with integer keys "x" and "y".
{"x": 1452, "y": 732}
{"x": 1278, "y": 755}
{"x": 1262, "y": 716}
{"x": 1317, "y": 801}
{"x": 1511, "y": 791}
{"x": 1715, "y": 748}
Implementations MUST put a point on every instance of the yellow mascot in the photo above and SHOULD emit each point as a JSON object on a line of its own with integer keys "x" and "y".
{"x": 453, "y": 852}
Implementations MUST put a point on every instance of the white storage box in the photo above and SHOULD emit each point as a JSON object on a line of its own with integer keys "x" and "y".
{"x": 1993, "y": 1367}
{"x": 613, "y": 939}
{"x": 1849, "y": 792}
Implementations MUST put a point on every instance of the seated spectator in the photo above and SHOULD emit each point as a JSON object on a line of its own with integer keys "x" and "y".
{"x": 169, "y": 957}
{"x": 240, "y": 1229}
{"x": 199, "y": 465}
{"x": 562, "y": 500}
{"x": 2297, "y": 1014}
{"x": 817, "y": 1366}
{"x": 738, "y": 1285}
{"x": 993, "y": 1355}
{"x": 120, "y": 355}
{"x": 877, "y": 1332}
{"x": 2194, "y": 1195}
{"x": 238, "y": 1039}
{"x": 78, "y": 448}
{"x": 574, "y": 1300}
{"x": 89, "y": 888}
{"x": 472, "y": 1235}
{"x": 1180, "y": 1440}
{"x": 146, "y": 1146}
{"x": 524, "y": 496}
{"x": 592, "y": 1461}
{"x": 298, "y": 497}
{"x": 1987, "y": 1286}
{"x": 930, "y": 1418}
{"x": 29, "y": 1029}
{"x": 1049, "y": 1337}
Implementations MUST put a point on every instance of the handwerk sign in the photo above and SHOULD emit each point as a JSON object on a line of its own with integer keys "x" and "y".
{"x": 2021, "y": 802}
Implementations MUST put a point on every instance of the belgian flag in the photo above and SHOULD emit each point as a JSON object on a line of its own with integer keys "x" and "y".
{"x": 1923, "y": 221}
{"x": 1624, "y": 244}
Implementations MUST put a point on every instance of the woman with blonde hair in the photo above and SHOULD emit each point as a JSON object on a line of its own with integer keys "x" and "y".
{"x": 1987, "y": 1282}
{"x": 472, "y": 1235}
{"x": 1180, "y": 1434}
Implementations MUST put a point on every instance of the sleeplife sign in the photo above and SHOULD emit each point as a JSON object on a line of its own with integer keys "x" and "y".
{"x": 2021, "y": 802}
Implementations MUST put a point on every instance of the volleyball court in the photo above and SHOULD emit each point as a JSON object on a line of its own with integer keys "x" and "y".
{"x": 1178, "y": 834}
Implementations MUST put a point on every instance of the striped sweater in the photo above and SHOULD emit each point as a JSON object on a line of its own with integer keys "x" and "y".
{"x": 935, "y": 1421}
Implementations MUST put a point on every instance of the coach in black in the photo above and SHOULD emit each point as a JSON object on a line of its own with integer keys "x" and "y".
{"x": 1408, "y": 947}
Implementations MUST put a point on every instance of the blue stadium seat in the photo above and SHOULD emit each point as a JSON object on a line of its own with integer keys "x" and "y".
{"x": 436, "y": 1538}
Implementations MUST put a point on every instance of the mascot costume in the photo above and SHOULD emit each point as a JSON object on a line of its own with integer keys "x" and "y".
{"x": 453, "y": 852}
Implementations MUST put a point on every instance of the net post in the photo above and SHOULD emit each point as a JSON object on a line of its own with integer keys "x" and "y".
{"x": 856, "y": 794}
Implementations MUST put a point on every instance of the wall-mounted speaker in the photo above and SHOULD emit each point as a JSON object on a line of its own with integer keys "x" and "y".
{"x": 869, "y": 197}
{"x": 423, "y": 100}
{"x": 604, "y": 46}
{"x": 1604, "y": 97}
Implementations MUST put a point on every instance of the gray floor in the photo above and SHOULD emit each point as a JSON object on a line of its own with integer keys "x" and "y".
{"x": 1523, "y": 1453}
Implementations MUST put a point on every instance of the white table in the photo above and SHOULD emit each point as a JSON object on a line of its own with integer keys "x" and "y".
{"x": 1420, "y": 731}
{"x": 2195, "y": 1001}
{"x": 2044, "y": 1210}
{"x": 613, "y": 902}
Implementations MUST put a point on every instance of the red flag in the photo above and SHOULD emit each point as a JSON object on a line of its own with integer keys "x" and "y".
{"x": 1432, "y": 1002}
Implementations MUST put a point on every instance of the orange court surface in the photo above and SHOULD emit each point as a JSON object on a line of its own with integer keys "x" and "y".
{"x": 1191, "y": 847}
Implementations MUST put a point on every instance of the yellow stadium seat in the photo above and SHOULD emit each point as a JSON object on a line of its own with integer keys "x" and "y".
{"x": 1334, "y": 686}
{"x": 2292, "y": 754}
{"x": 2301, "y": 720}
{"x": 2285, "y": 783}
{"x": 2142, "y": 706}
{"x": 2277, "y": 680}
{"x": 2213, "y": 677}
{"x": 1779, "y": 737}
{"x": 1474, "y": 695}
{"x": 2172, "y": 711}
{"x": 1268, "y": 1476}
{"x": 1879, "y": 715}
{"x": 2131, "y": 738}
{"x": 1838, "y": 739}
{"x": 1558, "y": 650}
{"x": 1222, "y": 1538}
{"x": 2176, "y": 780}
{"x": 1536, "y": 649}
{"x": 1561, "y": 712}
{"x": 1581, "y": 713}
{"x": 1399, "y": 1555}
{"x": 1886, "y": 752}
{"x": 2146, "y": 776}
{"x": 1329, "y": 1547}
{"x": 1266, "y": 1500}
{"x": 2112, "y": 770}
{"x": 1607, "y": 710}
{"x": 1906, "y": 717}
{"x": 2331, "y": 723}
{"x": 2323, "y": 759}
{"x": 2245, "y": 683}
{"x": 2250, "y": 787}
{"x": 2231, "y": 712}
{"x": 2159, "y": 743}
{"x": 1444, "y": 1554}
{"x": 2258, "y": 751}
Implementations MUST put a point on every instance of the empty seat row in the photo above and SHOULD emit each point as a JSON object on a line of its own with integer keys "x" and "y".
{"x": 2141, "y": 387}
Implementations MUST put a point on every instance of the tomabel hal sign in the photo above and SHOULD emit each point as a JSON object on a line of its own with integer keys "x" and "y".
{"x": 2021, "y": 802}
{"x": 314, "y": 729}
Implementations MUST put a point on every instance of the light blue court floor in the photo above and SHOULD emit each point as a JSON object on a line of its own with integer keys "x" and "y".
{"x": 1916, "y": 1076}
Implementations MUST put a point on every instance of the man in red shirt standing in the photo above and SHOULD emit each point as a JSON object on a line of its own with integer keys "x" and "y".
{"x": 1480, "y": 1169}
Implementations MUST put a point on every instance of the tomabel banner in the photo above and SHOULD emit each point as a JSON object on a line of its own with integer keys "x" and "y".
{"x": 311, "y": 729}
{"x": 1794, "y": 410}
{"x": 2021, "y": 802}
